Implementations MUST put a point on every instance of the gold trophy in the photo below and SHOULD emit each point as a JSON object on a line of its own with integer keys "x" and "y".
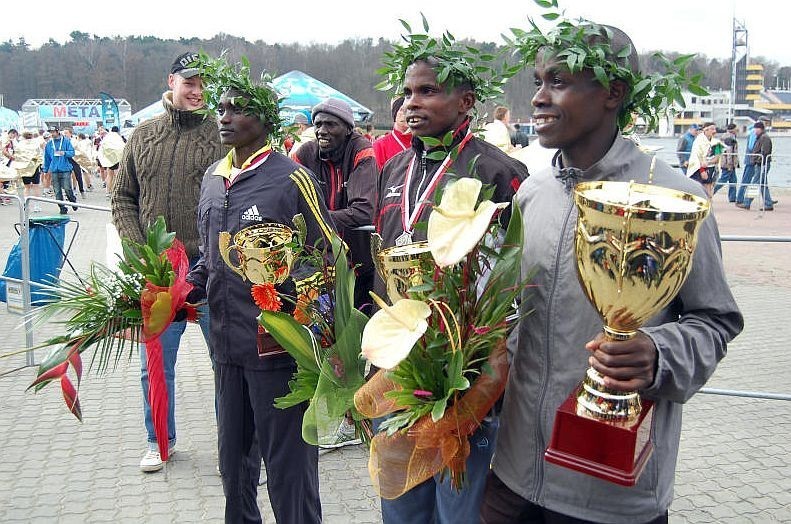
{"x": 401, "y": 267}
{"x": 263, "y": 252}
{"x": 634, "y": 247}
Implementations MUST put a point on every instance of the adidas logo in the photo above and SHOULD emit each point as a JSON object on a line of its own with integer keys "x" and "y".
{"x": 252, "y": 214}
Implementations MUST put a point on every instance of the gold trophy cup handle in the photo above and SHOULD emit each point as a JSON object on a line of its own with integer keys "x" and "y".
{"x": 376, "y": 247}
{"x": 302, "y": 228}
{"x": 225, "y": 252}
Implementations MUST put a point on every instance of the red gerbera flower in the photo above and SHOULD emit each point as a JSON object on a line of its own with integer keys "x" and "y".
{"x": 266, "y": 297}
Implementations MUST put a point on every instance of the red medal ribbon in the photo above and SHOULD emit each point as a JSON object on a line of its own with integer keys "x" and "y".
{"x": 408, "y": 220}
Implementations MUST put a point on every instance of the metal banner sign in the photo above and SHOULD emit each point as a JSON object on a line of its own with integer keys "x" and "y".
{"x": 14, "y": 301}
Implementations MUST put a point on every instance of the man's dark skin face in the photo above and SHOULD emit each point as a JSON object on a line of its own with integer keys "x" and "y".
{"x": 574, "y": 113}
{"x": 430, "y": 108}
{"x": 577, "y": 115}
{"x": 331, "y": 132}
{"x": 247, "y": 134}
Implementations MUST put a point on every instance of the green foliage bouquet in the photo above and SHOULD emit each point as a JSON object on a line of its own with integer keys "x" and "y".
{"x": 112, "y": 311}
{"x": 441, "y": 344}
{"x": 323, "y": 335}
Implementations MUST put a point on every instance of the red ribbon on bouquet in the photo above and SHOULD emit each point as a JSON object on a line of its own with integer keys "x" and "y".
{"x": 159, "y": 305}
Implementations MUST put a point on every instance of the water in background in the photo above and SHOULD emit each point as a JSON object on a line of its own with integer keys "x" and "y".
{"x": 779, "y": 174}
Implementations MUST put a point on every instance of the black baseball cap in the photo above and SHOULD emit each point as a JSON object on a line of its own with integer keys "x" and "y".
{"x": 181, "y": 65}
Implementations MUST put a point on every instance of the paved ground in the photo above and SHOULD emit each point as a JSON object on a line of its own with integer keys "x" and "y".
{"x": 734, "y": 466}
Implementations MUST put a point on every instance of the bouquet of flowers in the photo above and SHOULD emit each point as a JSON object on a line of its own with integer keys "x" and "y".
{"x": 441, "y": 344}
{"x": 323, "y": 335}
{"x": 112, "y": 312}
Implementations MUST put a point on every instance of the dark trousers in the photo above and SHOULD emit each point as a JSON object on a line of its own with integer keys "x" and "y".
{"x": 245, "y": 411}
{"x": 77, "y": 174}
{"x": 503, "y": 506}
{"x": 362, "y": 287}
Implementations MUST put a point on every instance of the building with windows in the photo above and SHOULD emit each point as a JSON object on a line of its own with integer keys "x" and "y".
{"x": 714, "y": 107}
{"x": 778, "y": 102}
{"x": 745, "y": 103}
{"x": 753, "y": 84}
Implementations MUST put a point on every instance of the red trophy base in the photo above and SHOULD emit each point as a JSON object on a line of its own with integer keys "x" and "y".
{"x": 613, "y": 451}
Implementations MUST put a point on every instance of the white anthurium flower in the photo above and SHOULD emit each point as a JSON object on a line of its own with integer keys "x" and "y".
{"x": 455, "y": 226}
{"x": 392, "y": 331}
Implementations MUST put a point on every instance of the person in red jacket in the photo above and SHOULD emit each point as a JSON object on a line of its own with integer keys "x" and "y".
{"x": 397, "y": 140}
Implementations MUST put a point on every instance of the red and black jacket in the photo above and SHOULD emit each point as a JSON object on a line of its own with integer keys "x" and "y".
{"x": 491, "y": 166}
{"x": 348, "y": 179}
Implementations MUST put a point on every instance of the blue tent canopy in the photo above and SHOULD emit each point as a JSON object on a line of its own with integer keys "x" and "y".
{"x": 147, "y": 112}
{"x": 302, "y": 92}
{"x": 9, "y": 119}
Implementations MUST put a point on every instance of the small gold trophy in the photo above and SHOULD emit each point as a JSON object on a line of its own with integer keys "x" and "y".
{"x": 263, "y": 252}
{"x": 634, "y": 247}
{"x": 401, "y": 267}
{"x": 265, "y": 255}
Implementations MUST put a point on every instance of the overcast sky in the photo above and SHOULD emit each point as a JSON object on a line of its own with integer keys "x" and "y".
{"x": 675, "y": 25}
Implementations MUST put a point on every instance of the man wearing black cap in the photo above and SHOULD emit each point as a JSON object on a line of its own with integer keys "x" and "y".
{"x": 397, "y": 140}
{"x": 758, "y": 161}
{"x": 160, "y": 174}
{"x": 345, "y": 165}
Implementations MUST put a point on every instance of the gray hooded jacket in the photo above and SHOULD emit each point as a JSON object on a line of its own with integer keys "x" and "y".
{"x": 550, "y": 360}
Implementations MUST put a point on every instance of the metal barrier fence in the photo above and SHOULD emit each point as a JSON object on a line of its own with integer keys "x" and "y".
{"x": 23, "y": 203}
{"x": 25, "y": 281}
{"x": 757, "y": 185}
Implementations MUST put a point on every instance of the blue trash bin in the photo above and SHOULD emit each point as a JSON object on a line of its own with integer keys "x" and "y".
{"x": 47, "y": 253}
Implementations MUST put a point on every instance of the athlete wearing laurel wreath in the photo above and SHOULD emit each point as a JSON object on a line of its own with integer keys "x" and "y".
{"x": 438, "y": 112}
{"x": 253, "y": 185}
{"x": 583, "y": 102}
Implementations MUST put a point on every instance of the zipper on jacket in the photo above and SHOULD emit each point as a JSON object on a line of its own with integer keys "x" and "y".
{"x": 225, "y": 206}
{"x": 170, "y": 179}
{"x": 333, "y": 186}
{"x": 539, "y": 437}
{"x": 422, "y": 179}
{"x": 341, "y": 189}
